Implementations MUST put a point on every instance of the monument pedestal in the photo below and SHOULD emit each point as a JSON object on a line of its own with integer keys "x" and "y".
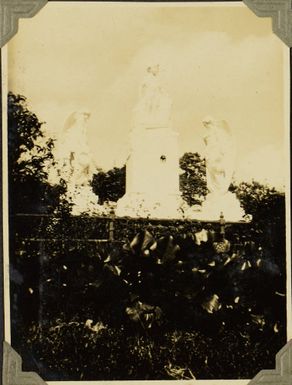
{"x": 152, "y": 175}
{"x": 150, "y": 206}
{"x": 84, "y": 200}
{"x": 215, "y": 204}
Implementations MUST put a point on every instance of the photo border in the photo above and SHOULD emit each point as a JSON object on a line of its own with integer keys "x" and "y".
{"x": 10, "y": 12}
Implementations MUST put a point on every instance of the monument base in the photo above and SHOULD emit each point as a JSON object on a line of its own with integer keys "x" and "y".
{"x": 150, "y": 206}
{"x": 84, "y": 200}
{"x": 172, "y": 206}
{"x": 227, "y": 204}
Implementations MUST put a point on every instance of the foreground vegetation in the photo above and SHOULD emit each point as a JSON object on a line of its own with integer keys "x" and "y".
{"x": 178, "y": 309}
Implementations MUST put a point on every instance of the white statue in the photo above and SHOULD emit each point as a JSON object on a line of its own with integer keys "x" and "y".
{"x": 75, "y": 160}
{"x": 220, "y": 151}
{"x": 76, "y": 166}
{"x": 154, "y": 106}
{"x": 220, "y": 155}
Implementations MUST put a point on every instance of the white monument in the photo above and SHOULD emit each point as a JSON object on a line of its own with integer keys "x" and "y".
{"x": 75, "y": 164}
{"x": 152, "y": 169}
{"x": 220, "y": 162}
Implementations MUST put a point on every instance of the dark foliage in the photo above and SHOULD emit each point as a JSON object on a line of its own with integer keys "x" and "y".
{"x": 264, "y": 203}
{"x": 110, "y": 185}
{"x": 193, "y": 184}
{"x": 110, "y": 354}
{"x": 164, "y": 301}
{"x": 29, "y": 157}
{"x": 267, "y": 206}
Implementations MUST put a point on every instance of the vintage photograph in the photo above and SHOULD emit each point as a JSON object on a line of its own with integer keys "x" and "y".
{"x": 148, "y": 168}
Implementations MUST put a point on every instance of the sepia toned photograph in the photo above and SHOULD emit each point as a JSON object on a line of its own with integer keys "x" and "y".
{"x": 147, "y": 192}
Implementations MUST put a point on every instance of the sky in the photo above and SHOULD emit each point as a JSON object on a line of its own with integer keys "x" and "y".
{"x": 216, "y": 60}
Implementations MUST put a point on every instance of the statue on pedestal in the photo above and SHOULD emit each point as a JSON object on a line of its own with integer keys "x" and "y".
{"x": 75, "y": 164}
{"x": 220, "y": 151}
{"x": 152, "y": 169}
{"x": 220, "y": 155}
{"x": 154, "y": 105}
{"x": 73, "y": 152}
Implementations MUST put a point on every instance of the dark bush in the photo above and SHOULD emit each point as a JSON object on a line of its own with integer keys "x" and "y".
{"x": 164, "y": 300}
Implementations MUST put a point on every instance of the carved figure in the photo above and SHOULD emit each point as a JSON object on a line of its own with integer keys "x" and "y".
{"x": 75, "y": 162}
{"x": 220, "y": 155}
{"x": 154, "y": 105}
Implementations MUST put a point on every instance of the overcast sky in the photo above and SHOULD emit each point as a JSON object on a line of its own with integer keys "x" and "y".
{"x": 216, "y": 60}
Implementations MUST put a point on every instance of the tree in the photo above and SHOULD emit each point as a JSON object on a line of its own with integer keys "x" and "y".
{"x": 193, "y": 184}
{"x": 110, "y": 185}
{"x": 29, "y": 156}
{"x": 263, "y": 202}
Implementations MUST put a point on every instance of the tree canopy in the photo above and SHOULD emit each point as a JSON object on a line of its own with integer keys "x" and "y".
{"x": 193, "y": 184}
{"x": 29, "y": 156}
{"x": 110, "y": 185}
